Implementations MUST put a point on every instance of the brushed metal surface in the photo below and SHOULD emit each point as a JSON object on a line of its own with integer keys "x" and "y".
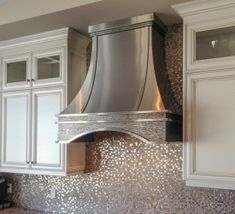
{"x": 120, "y": 23}
{"x": 81, "y": 99}
{"x": 122, "y": 74}
{"x": 128, "y": 23}
{"x": 127, "y": 74}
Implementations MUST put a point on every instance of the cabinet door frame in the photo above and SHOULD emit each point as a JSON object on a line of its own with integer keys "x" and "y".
{"x": 14, "y": 166}
{"x": 47, "y": 53}
{"x": 191, "y": 175}
{"x": 190, "y": 30}
{"x": 35, "y": 165}
{"x": 16, "y": 85}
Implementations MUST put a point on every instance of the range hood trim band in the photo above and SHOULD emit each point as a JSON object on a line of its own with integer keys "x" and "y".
{"x": 128, "y": 24}
{"x": 122, "y": 112}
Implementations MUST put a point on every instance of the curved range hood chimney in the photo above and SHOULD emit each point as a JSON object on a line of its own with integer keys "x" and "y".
{"x": 126, "y": 86}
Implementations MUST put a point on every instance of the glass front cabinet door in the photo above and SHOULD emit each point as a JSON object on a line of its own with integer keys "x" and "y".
{"x": 215, "y": 43}
{"x": 210, "y": 46}
{"x": 16, "y": 72}
{"x": 48, "y": 68}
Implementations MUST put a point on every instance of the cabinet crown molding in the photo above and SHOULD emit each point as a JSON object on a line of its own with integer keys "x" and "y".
{"x": 35, "y": 38}
{"x": 201, "y": 6}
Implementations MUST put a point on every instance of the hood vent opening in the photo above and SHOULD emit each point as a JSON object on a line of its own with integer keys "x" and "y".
{"x": 127, "y": 88}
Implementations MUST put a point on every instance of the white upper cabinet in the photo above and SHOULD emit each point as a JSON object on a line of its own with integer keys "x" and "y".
{"x": 16, "y": 72}
{"x": 209, "y": 34}
{"x": 209, "y": 92}
{"x": 39, "y": 77}
{"x": 48, "y": 67}
{"x": 210, "y": 45}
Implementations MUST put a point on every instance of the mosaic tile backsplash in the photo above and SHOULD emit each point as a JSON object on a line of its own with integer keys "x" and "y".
{"x": 130, "y": 177}
{"x": 126, "y": 175}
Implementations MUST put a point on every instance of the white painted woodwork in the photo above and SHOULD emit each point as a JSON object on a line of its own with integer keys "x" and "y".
{"x": 209, "y": 92}
{"x": 61, "y": 52}
{"x": 209, "y": 143}
{"x": 15, "y": 129}
{"x": 29, "y": 108}
{"x": 24, "y": 84}
{"x": 193, "y": 65}
{"x": 46, "y": 153}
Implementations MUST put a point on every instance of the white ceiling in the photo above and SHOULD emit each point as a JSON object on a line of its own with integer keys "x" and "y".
{"x": 24, "y": 17}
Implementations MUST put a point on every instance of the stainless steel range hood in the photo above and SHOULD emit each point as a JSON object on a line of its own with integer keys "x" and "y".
{"x": 126, "y": 84}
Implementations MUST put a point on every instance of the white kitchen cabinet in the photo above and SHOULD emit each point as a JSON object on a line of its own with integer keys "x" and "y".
{"x": 43, "y": 68}
{"x": 27, "y": 139}
{"x": 46, "y": 153}
{"x": 15, "y": 150}
{"x": 209, "y": 92}
{"x": 209, "y": 146}
{"x": 39, "y": 79}
{"x": 16, "y": 72}
{"x": 48, "y": 67}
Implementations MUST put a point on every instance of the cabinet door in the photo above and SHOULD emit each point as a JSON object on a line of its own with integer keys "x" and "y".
{"x": 15, "y": 129}
{"x": 209, "y": 45}
{"x": 46, "y": 153}
{"x": 48, "y": 67}
{"x": 16, "y": 72}
{"x": 209, "y": 158}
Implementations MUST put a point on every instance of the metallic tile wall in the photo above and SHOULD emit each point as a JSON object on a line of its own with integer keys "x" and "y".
{"x": 126, "y": 175}
{"x": 174, "y": 62}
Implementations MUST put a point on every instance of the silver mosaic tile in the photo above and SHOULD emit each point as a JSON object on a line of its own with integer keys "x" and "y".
{"x": 174, "y": 63}
{"x": 151, "y": 126}
{"x": 131, "y": 177}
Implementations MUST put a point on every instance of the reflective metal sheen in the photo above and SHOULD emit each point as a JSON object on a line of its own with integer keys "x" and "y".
{"x": 122, "y": 75}
{"x": 127, "y": 88}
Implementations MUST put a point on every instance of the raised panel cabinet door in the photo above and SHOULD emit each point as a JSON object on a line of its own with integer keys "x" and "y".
{"x": 46, "y": 152}
{"x": 16, "y": 72}
{"x": 210, "y": 124}
{"x": 49, "y": 67}
{"x": 15, "y": 129}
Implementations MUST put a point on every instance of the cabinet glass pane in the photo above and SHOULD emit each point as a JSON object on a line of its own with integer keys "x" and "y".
{"x": 48, "y": 67}
{"x": 215, "y": 43}
{"x": 16, "y": 72}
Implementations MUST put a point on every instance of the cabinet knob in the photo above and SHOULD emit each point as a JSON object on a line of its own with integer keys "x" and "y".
{"x": 57, "y": 141}
{"x": 32, "y": 80}
{"x": 33, "y": 162}
{"x": 28, "y": 162}
{"x": 28, "y": 80}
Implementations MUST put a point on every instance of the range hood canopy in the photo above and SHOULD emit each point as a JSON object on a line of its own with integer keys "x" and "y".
{"x": 127, "y": 88}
